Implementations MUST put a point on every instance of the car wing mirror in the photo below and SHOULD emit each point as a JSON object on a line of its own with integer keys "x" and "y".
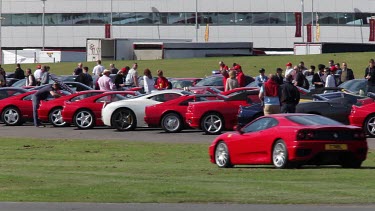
{"x": 238, "y": 128}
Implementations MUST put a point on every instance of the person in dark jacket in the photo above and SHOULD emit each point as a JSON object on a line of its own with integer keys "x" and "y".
{"x": 370, "y": 76}
{"x": 120, "y": 79}
{"x": 289, "y": 96}
{"x": 19, "y": 73}
{"x": 317, "y": 77}
{"x": 279, "y": 76}
{"x": 345, "y": 74}
{"x": 43, "y": 94}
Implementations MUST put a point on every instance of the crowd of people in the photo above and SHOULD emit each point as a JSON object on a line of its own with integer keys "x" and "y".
{"x": 278, "y": 92}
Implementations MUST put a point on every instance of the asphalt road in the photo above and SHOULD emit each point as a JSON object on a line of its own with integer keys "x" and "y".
{"x": 145, "y": 135}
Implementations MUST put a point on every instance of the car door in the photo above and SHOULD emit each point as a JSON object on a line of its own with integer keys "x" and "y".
{"x": 253, "y": 146}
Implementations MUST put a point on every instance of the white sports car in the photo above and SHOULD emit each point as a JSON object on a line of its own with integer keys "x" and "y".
{"x": 129, "y": 114}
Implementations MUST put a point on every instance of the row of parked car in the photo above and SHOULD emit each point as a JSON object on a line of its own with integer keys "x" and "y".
{"x": 285, "y": 140}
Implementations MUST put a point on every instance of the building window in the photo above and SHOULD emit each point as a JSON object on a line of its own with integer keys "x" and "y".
{"x": 346, "y": 18}
{"x": 99, "y": 18}
{"x": 277, "y": 18}
{"x": 176, "y": 18}
{"x": 124, "y": 18}
{"x": 243, "y": 18}
{"x": 34, "y": 19}
{"x": 226, "y": 18}
{"x": 327, "y": 18}
{"x": 260, "y": 18}
{"x": 190, "y": 17}
{"x": 290, "y": 19}
{"x": 19, "y": 19}
{"x": 208, "y": 18}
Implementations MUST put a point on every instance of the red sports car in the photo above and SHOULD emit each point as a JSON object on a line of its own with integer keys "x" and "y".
{"x": 18, "y": 109}
{"x": 50, "y": 111}
{"x": 214, "y": 116}
{"x": 291, "y": 140}
{"x": 86, "y": 112}
{"x": 364, "y": 116}
{"x": 170, "y": 115}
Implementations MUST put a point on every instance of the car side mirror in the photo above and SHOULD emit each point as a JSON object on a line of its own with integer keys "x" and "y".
{"x": 238, "y": 129}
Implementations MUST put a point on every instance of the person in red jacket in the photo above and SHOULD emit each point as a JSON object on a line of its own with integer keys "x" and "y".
{"x": 240, "y": 76}
{"x": 161, "y": 82}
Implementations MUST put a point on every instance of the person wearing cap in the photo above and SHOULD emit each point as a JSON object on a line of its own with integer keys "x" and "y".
{"x": 43, "y": 94}
{"x": 38, "y": 72}
{"x": 330, "y": 79}
{"x": 105, "y": 83}
{"x": 240, "y": 76}
{"x": 119, "y": 79}
{"x": 261, "y": 78}
{"x": 289, "y": 69}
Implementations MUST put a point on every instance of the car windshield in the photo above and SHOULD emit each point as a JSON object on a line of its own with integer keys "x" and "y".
{"x": 312, "y": 120}
{"x": 354, "y": 85}
{"x": 19, "y": 83}
{"x": 211, "y": 81}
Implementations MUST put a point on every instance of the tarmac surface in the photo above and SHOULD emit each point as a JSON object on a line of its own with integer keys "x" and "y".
{"x": 144, "y": 135}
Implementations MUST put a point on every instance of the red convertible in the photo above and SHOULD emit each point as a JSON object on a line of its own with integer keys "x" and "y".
{"x": 86, "y": 112}
{"x": 214, "y": 116}
{"x": 291, "y": 140}
{"x": 50, "y": 111}
{"x": 170, "y": 115}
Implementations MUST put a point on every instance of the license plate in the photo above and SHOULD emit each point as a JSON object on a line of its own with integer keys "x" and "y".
{"x": 336, "y": 147}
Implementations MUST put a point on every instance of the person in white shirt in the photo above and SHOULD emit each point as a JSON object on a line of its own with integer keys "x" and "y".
{"x": 38, "y": 72}
{"x": 132, "y": 77}
{"x": 148, "y": 81}
{"x": 98, "y": 69}
{"x": 330, "y": 79}
{"x": 290, "y": 70}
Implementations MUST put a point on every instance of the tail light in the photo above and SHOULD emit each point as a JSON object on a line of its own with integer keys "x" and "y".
{"x": 189, "y": 109}
{"x": 359, "y": 135}
{"x": 305, "y": 135}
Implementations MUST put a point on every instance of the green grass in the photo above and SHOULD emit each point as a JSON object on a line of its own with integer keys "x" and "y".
{"x": 118, "y": 171}
{"x": 200, "y": 67}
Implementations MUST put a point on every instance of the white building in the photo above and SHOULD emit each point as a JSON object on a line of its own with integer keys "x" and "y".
{"x": 266, "y": 23}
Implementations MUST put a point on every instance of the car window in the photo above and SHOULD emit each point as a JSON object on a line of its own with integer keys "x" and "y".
{"x": 165, "y": 97}
{"x": 312, "y": 120}
{"x": 260, "y": 124}
{"x": 211, "y": 81}
{"x": 354, "y": 85}
{"x": 83, "y": 96}
{"x": 110, "y": 98}
{"x": 28, "y": 97}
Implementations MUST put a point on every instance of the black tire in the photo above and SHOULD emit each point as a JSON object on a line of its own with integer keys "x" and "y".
{"x": 212, "y": 123}
{"x": 172, "y": 123}
{"x": 12, "y": 116}
{"x": 280, "y": 155}
{"x": 84, "y": 119}
{"x": 369, "y": 125}
{"x": 222, "y": 157}
{"x": 350, "y": 163}
{"x": 55, "y": 118}
{"x": 124, "y": 119}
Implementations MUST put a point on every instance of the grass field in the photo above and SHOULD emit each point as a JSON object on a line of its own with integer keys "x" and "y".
{"x": 201, "y": 67}
{"x": 114, "y": 171}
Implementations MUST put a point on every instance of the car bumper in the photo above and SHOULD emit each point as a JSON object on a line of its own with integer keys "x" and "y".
{"x": 316, "y": 153}
{"x": 152, "y": 120}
